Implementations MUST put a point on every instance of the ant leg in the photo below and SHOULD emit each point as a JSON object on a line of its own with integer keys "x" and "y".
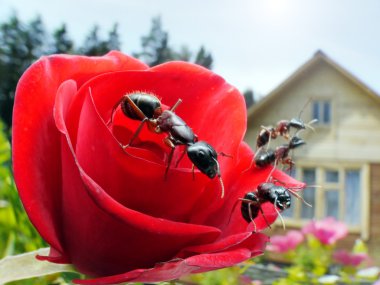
{"x": 266, "y": 221}
{"x": 180, "y": 158}
{"x": 193, "y": 171}
{"x": 110, "y": 121}
{"x": 136, "y": 133}
{"x": 279, "y": 214}
{"x": 271, "y": 172}
{"x": 176, "y": 105}
{"x": 234, "y": 206}
{"x": 169, "y": 143}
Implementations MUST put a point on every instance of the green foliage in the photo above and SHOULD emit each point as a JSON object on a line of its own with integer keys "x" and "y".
{"x": 313, "y": 260}
{"x": 156, "y": 48}
{"x": 61, "y": 41}
{"x": 22, "y": 43}
{"x": 226, "y": 276}
{"x": 17, "y": 235}
{"x": 15, "y": 229}
{"x": 94, "y": 45}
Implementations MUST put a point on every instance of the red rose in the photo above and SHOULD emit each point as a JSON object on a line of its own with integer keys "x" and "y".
{"x": 110, "y": 212}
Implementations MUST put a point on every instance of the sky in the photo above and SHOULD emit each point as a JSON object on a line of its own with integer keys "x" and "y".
{"x": 255, "y": 44}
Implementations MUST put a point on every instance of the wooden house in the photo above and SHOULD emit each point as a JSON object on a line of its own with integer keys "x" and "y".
{"x": 342, "y": 155}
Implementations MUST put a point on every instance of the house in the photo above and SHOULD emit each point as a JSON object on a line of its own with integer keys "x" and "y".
{"x": 342, "y": 156}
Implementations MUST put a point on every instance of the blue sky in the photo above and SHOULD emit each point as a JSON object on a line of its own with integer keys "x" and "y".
{"x": 255, "y": 43}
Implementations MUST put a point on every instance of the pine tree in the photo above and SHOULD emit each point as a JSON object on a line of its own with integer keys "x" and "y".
{"x": 204, "y": 58}
{"x": 20, "y": 45}
{"x": 93, "y": 45}
{"x": 155, "y": 49}
{"x": 113, "y": 42}
{"x": 61, "y": 41}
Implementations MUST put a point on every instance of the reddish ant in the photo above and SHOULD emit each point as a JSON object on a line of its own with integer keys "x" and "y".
{"x": 146, "y": 108}
{"x": 278, "y": 195}
{"x": 283, "y": 128}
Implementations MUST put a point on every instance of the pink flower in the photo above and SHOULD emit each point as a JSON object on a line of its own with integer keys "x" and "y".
{"x": 284, "y": 243}
{"x": 327, "y": 231}
{"x": 350, "y": 259}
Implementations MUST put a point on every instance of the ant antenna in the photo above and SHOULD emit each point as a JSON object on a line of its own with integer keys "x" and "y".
{"x": 220, "y": 177}
{"x": 299, "y": 197}
{"x": 281, "y": 218}
{"x": 308, "y": 125}
{"x": 304, "y": 106}
{"x": 279, "y": 214}
{"x": 294, "y": 193}
{"x": 176, "y": 105}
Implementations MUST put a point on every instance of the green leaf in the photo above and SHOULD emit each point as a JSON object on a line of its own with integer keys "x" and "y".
{"x": 26, "y": 265}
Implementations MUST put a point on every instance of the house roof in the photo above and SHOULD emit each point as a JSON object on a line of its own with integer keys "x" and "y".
{"x": 318, "y": 57}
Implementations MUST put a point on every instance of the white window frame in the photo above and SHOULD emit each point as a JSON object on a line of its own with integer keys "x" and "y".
{"x": 364, "y": 169}
{"x": 321, "y": 113}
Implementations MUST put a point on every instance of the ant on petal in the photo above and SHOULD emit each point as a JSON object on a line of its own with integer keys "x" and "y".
{"x": 268, "y": 192}
{"x": 147, "y": 108}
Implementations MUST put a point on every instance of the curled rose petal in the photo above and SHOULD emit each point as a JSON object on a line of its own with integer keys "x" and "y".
{"x": 111, "y": 211}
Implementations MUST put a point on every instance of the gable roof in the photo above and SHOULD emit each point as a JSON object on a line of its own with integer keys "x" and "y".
{"x": 318, "y": 57}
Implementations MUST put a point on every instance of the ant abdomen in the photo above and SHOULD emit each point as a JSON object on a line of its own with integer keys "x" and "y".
{"x": 149, "y": 104}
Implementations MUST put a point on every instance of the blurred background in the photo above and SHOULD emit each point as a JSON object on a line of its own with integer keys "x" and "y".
{"x": 268, "y": 49}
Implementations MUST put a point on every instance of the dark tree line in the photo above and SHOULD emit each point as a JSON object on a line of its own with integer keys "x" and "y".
{"x": 21, "y": 43}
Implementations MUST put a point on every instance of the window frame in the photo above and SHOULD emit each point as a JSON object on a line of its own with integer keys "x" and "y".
{"x": 321, "y": 112}
{"x": 364, "y": 170}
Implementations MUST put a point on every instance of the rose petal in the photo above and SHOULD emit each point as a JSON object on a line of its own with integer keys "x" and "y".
{"x": 162, "y": 238}
{"x": 35, "y": 140}
{"x": 176, "y": 268}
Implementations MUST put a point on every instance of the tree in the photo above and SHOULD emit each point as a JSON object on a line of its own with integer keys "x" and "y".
{"x": 93, "y": 45}
{"x": 249, "y": 98}
{"x": 204, "y": 58}
{"x": 155, "y": 49}
{"x": 20, "y": 45}
{"x": 61, "y": 41}
{"x": 113, "y": 42}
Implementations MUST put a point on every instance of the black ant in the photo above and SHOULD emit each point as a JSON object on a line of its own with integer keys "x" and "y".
{"x": 147, "y": 108}
{"x": 268, "y": 192}
{"x": 265, "y": 157}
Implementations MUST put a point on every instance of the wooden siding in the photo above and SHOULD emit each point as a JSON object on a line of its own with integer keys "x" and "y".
{"x": 352, "y": 138}
{"x": 374, "y": 240}
{"x": 354, "y": 132}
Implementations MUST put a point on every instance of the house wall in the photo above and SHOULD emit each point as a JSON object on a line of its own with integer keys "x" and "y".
{"x": 374, "y": 240}
{"x": 354, "y": 134}
{"x": 353, "y": 137}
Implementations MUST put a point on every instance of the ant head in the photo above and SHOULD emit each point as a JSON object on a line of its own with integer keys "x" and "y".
{"x": 297, "y": 124}
{"x": 296, "y": 142}
{"x": 283, "y": 199}
{"x": 204, "y": 158}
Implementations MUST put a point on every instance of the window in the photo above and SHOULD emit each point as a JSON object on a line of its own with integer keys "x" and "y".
{"x": 322, "y": 111}
{"x": 341, "y": 193}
